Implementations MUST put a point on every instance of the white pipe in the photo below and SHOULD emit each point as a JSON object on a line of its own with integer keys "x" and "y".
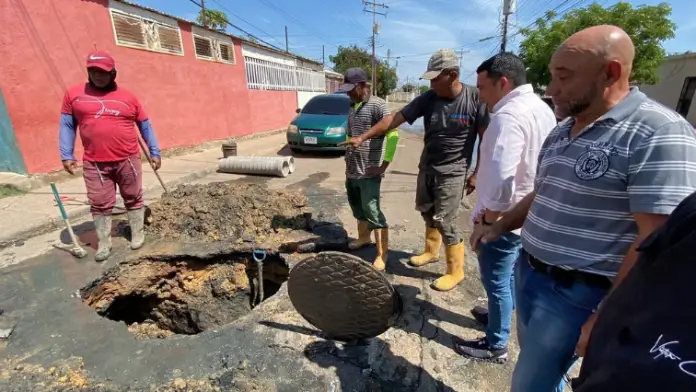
{"x": 270, "y": 166}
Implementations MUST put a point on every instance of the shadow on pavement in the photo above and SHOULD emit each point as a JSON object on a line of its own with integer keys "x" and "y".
{"x": 402, "y": 173}
{"x": 366, "y": 365}
{"x": 396, "y": 263}
{"x": 418, "y": 316}
{"x": 287, "y": 152}
{"x": 355, "y": 373}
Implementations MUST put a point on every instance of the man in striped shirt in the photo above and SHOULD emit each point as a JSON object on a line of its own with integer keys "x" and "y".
{"x": 366, "y": 164}
{"x": 453, "y": 116}
{"x": 608, "y": 175}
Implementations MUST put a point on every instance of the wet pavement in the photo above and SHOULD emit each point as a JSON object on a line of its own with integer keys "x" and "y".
{"x": 61, "y": 344}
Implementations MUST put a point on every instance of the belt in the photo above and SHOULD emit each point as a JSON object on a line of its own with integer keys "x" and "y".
{"x": 569, "y": 277}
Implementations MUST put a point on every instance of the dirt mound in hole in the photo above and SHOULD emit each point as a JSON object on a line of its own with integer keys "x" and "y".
{"x": 228, "y": 211}
{"x": 184, "y": 295}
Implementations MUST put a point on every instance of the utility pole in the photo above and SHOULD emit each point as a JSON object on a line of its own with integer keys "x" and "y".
{"x": 461, "y": 56}
{"x": 375, "y": 31}
{"x": 322, "y": 55}
{"x": 287, "y": 45}
{"x": 205, "y": 18}
{"x": 508, "y": 9}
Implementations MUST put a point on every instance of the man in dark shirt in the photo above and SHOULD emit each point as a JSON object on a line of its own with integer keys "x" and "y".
{"x": 643, "y": 339}
{"x": 453, "y": 116}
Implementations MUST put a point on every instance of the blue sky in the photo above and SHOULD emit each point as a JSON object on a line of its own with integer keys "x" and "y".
{"x": 411, "y": 31}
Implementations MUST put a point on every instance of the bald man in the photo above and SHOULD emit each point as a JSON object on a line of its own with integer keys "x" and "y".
{"x": 608, "y": 175}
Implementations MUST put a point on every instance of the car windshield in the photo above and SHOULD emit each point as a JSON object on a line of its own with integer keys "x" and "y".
{"x": 327, "y": 105}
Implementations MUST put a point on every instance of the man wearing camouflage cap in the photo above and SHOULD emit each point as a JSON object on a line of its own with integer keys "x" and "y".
{"x": 453, "y": 116}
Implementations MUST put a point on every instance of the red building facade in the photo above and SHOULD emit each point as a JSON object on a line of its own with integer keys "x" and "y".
{"x": 192, "y": 81}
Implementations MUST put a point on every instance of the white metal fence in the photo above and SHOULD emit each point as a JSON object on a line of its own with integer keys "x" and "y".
{"x": 268, "y": 75}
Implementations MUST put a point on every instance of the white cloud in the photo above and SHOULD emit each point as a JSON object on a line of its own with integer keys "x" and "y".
{"x": 413, "y": 32}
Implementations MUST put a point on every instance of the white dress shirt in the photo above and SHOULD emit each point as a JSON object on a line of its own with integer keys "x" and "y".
{"x": 520, "y": 122}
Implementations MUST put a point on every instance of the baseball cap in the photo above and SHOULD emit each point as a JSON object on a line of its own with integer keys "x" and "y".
{"x": 101, "y": 60}
{"x": 351, "y": 78}
{"x": 441, "y": 60}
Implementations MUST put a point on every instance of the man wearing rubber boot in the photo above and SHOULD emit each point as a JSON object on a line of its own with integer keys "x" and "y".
{"x": 453, "y": 116}
{"x": 366, "y": 164}
{"x": 107, "y": 116}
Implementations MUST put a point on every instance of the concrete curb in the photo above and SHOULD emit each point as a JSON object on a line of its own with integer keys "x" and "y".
{"x": 77, "y": 214}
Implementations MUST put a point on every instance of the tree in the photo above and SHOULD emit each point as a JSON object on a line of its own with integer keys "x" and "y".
{"x": 648, "y": 26}
{"x": 214, "y": 19}
{"x": 354, "y": 56}
{"x": 408, "y": 87}
{"x": 423, "y": 89}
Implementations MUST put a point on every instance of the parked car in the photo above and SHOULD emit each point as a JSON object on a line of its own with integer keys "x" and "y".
{"x": 320, "y": 125}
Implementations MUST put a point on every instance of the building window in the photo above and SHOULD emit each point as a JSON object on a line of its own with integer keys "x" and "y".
{"x": 139, "y": 32}
{"x": 226, "y": 52}
{"x": 204, "y": 47}
{"x": 213, "y": 49}
{"x": 686, "y": 96}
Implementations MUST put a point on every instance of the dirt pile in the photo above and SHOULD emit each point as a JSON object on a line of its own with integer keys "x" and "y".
{"x": 229, "y": 212}
{"x": 161, "y": 298}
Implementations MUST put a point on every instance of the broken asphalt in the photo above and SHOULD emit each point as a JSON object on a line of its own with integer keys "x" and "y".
{"x": 60, "y": 344}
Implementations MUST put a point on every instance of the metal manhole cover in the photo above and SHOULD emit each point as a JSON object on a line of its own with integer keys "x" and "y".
{"x": 343, "y": 296}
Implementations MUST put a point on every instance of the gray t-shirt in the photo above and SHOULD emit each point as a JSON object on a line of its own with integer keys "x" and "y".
{"x": 451, "y": 126}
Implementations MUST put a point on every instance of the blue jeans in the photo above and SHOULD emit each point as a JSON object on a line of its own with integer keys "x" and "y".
{"x": 549, "y": 318}
{"x": 496, "y": 262}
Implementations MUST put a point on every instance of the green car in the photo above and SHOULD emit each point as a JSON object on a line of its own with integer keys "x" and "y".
{"x": 320, "y": 125}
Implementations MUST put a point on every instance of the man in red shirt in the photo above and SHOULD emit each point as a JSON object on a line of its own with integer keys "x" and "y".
{"x": 107, "y": 117}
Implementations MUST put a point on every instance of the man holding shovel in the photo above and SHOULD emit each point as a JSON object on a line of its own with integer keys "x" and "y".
{"x": 107, "y": 116}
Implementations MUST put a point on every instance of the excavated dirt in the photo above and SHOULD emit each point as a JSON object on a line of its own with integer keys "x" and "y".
{"x": 158, "y": 298}
{"x": 229, "y": 212}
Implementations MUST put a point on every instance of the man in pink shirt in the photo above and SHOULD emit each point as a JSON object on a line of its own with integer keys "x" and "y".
{"x": 107, "y": 117}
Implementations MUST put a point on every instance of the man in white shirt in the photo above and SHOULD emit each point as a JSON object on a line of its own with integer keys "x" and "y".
{"x": 520, "y": 123}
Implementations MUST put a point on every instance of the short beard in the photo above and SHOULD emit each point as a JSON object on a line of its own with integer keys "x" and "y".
{"x": 578, "y": 106}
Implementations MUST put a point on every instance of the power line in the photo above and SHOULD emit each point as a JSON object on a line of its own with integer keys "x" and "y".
{"x": 242, "y": 30}
{"x": 243, "y": 20}
{"x": 282, "y": 12}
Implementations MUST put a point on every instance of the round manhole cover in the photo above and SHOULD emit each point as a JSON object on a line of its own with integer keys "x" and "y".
{"x": 343, "y": 296}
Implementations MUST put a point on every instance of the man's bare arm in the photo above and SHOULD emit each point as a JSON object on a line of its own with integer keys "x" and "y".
{"x": 383, "y": 127}
{"x": 647, "y": 223}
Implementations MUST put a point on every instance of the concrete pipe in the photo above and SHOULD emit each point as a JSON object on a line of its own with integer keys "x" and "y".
{"x": 269, "y": 166}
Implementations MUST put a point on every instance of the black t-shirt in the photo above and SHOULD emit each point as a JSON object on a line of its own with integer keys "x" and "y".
{"x": 645, "y": 335}
{"x": 451, "y": 127}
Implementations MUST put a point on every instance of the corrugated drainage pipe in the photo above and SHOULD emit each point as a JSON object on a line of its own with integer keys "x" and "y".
{"x": 290, "y": 160}
{"x": 268, "y": 166}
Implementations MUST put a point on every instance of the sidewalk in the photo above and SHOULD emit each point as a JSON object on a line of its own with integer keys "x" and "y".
{"x": 36, "y": 212}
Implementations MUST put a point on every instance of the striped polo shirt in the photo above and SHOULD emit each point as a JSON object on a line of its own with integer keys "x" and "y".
{"x": 640, "y": 157}
{"x": 370, "y": 153}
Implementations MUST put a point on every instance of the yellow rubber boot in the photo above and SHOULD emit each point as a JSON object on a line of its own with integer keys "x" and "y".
{"x": 382, "y": 244}
{"x": 363, "y": 236}
{"x": 431, "y": 253}
{"x": 455, "y": 268}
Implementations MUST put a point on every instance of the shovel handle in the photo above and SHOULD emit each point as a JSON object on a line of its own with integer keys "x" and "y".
{"x": 59, "y": 201}
{"x": 147, "y": 155}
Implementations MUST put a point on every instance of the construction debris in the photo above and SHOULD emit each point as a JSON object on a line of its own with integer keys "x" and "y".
{"x": 228, "y": 212}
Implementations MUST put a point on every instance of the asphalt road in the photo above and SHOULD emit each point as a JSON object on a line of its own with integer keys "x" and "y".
{"x": 61, "y": 344}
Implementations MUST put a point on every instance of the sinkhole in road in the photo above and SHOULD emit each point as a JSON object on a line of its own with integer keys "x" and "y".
{"x": 159, "y": 297}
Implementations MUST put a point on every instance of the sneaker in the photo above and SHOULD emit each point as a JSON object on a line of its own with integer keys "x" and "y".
{"x": 480, "y": 314}
{"x": 480, "y": 350}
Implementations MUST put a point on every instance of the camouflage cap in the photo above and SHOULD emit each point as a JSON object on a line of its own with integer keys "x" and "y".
{"x": 441, "y": 60}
